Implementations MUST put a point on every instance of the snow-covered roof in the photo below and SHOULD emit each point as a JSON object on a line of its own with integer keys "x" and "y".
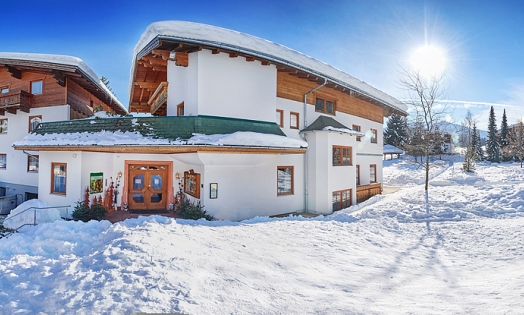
{"x": 391, "y": 149}
{"x": 58, "y": 60}
{"x": 219, "y": 37}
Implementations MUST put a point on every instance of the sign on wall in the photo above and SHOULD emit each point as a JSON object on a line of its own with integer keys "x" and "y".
{"x": 96, "y": 183}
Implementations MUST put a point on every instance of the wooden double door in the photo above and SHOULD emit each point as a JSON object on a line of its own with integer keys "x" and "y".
{"x": 148, "y": 186}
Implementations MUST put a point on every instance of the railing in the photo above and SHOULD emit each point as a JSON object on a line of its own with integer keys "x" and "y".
{"x": 17, "y": 100}
{"x": 368, "y": 191}
{"x": 34, "y": 216}
{"x": 159, "y": 97}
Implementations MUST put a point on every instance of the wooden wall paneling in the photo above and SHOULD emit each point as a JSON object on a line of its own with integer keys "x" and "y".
{"x": 293, "y": 88}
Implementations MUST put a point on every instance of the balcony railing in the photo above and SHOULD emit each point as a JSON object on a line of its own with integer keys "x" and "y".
{"x": 11, "y": 102}
{"x": 368, "y": 191}
{"x": 159, "y": 98}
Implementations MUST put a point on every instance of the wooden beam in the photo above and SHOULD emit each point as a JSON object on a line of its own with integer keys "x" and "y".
{"x": 182, "y": 59}
{"x": 233, "y": 55}
{"x": 215, "y": 51}
{"x": 162, "y": 53}
{"x": 250, "y": 59}
{"x": 59, "y": 77}
{"x": 15, "y": 73}
{"x": 147, "y": 85}
{"x": 193, "y": 49}
{"x": 265, "y": 63}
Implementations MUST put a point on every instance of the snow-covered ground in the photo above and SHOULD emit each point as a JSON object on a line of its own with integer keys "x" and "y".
{"x": 462, "y": 253}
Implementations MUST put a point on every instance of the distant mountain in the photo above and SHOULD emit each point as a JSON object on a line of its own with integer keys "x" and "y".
{"x": 456, "y": 128}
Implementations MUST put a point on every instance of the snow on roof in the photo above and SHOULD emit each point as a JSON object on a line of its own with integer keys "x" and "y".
{"x": 390, "y": 149}
{"x": 229, "y": 39}
{"x": 64, "y": 60}
{"x": 109, "y": 138}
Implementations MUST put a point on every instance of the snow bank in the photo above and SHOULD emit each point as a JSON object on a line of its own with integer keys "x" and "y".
{"x": 109, "y": 138}
{"x": 19, "y": 216}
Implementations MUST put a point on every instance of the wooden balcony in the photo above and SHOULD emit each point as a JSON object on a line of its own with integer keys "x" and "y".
{"x": 11, "y": 102}
{"x": 367, "y": 191}
{"x": 158, "y": 101}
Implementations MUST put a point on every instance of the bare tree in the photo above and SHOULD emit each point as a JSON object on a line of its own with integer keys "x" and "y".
{"x": 423, "y": 95}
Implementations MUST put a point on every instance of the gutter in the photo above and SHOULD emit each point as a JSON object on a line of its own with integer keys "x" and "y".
{"x": 306, "y": 159}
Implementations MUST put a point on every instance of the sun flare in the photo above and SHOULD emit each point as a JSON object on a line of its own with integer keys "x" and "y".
{"x": 428, "y": 61}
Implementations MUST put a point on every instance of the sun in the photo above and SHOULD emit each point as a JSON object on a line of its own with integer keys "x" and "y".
{"x": 429, "y": 61}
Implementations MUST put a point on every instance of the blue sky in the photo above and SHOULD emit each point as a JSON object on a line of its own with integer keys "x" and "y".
{"x": 371, "y": 40}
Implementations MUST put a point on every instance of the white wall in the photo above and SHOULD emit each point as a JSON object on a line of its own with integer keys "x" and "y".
{"x": 218, "y": 85}
{"x": 18, "y": 128}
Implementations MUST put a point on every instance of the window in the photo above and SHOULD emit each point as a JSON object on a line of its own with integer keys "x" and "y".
{"x": 325, "y": 106}
{"x": 32, "y": 163}
{"x": 285, "y": 180}
{"x": 3, "y": 125}
{"x": 36, "y": 87}
{"x": 33, "y": 122}
{"x": 293, "y": 120}
{"x": 358, "y": 175}
{"x": 373, "y": 135}
{"x": 280, "y": 117}
{"x": 341, "y": 155}
{"x": 192, "y": 183}
{"x": 341, "y": 199}
{"x": 180, "y": 109}
{"x": 58, "y": 178}
{"x": 2, "y": 191}
{"x": 3, "y": 161}
{"x": 357, "y": 128}
{"x": 373, "y": 173}
{"x": 4, "y": 90}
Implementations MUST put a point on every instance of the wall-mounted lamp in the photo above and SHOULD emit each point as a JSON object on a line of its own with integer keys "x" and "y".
{"x": 177, "y": 175}
{"x": 119, "y": 174}
{"x": 74, "y": 155}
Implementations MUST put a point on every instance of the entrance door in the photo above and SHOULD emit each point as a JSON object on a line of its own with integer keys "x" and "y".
{"x": 147, "y": 187}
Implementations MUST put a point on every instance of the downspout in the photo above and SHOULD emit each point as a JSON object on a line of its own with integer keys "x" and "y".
{"x": 306, "y": 159}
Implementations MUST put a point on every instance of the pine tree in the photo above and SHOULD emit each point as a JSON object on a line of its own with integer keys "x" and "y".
{"x": 395, "y": 132}
{"x": 476, "y": 144}
{"x": 492, "y": 144}
{"x": 106, "y": 83}
{"x": 504, "y": 138}
{"x": 516, "y": 142}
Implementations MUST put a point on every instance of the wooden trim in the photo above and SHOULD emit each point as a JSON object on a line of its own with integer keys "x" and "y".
{"x": 357, "y": 178}
{"x": 167, "y": 149}
{"x": 292, "y": 181}
{"x": 180, "y": 109}
{"x": 341, "y": 157}
{"x": 53, "y": 165}
{"x": 297, "y": 125}
{"x": 281, "y": 122}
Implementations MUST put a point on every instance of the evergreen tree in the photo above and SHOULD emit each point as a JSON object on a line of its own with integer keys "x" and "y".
{"x": 504, "y": 138}
{"x": 106, "y": 83}
{"x": 516, "y": 142}
{"x": 476, "y": 144}
{"x": 492, "y": 144}
{"x": 395, "y": 132}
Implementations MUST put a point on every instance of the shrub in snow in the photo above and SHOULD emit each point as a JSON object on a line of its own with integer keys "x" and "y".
{"x": 21, "y": 215}
{"x": 193, "y": 211}
{"x": 85, "y": 213}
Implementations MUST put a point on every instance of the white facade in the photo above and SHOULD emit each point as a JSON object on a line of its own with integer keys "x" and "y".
{"x": 15, "y": 177}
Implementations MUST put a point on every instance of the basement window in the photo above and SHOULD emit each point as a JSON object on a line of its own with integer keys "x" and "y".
{"x": 285, "y": 180}
{"x": 341, "y": 199}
